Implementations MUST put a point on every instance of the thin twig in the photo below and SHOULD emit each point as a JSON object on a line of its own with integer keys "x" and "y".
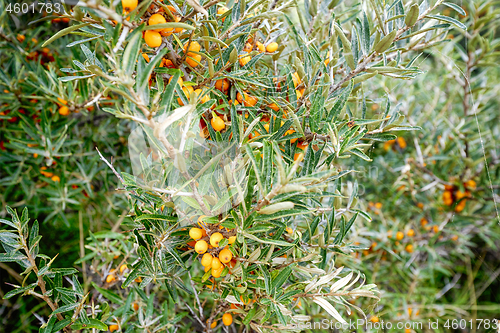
{"x": 110, "y": 166}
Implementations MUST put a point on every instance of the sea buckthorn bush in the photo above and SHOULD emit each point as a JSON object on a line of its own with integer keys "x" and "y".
{"x": 228, "y": 185}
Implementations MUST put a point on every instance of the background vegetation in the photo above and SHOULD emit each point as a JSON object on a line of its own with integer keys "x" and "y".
{"x": 430, "y": 244}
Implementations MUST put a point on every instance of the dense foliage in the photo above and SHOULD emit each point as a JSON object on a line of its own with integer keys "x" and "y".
{"x": 268, "y": 165}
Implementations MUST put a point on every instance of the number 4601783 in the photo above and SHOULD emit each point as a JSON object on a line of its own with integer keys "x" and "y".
{"x": 40, "y": 7}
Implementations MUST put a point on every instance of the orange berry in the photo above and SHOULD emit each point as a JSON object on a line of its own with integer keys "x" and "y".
{"x": 459, "y": 195}
{"x": 215, "y": 238}
{"x": 152, "y": 38}
{"x": 261, "y": 47}
{"x": 302, "y": 145}
{"x": 401, "y": 142}
{"x": 180, "y": 81}
{"x": 410, "y": 233}
{"x": 327, "y": 60}
{"x": 214, "y": 323}
{"x": 129, "y": 5}
{"x": 435, "y": 229}
{"x": 231, "y": 239}
{"x": 205, "y": 98}
{"x": 225, "y": 256}
{"x": 136, "y": 306}
{"x": 123, "y": 267}
{"x": 274, "y": 107}
{"x": 157, "y": 19}
{"x": 62, "y": 101}
{"x": 471, "y": 184}
{"x": 218, "y": 125}
{"x": 460, "y": 207}
{"x": 201, "y": 247}
{"x": 167, "y": 63}
{"x": 409, "y": 248}
{"x": 193, "y": 60}
{"x": 227, "y": 319}
{"x": 64, "y": 110}
{"x": 110, "y": 278}
{"x": 374, "y": 319}
{"x": 246, "y": 100}
{"x": 195, "y": 233}
{"x": 55, "y": 179}
{"x": 423, "y": 221}
{"x": 400, "y": 235}
{"x": 193, "y": 47}
{"x": 216, "y": 273}
{"x": 272, "y": 47}
{"x": 113, "y": 328}
{"x": 146, "y": 57}
{"x": 245, "y": 60}
{"x": 222, "y": 85}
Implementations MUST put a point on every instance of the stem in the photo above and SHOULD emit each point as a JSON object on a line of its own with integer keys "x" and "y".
{"x": 41, "y": 281}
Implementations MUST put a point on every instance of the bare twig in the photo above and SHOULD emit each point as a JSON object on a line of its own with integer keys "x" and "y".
{"x": 110, "y": 166}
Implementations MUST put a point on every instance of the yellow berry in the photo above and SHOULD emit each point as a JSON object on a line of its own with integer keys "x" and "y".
{"x": 245, "y": 60}
{"x": 152, "y": 38}
{"x": 221, "y": 12}
{"x": 201, "y": 247}
{"x": 217, "y": 272}
{"x": 215, "y": 239}
{"x": 193, "y": 59}
{"x": 195, "y": 233}
{"x": 272, "y": 47}
{"x": 217, "y": 123}
{"x": 129, "y": 5}
{"x": 206, "y": 261}
{"x": 193, "y": 47}
{"x": 216, "y": 264}
{"x": 227, "y": 319}
{"x": 225, "y": 256}
{"x": 232, "y": 239}
{"x": 123, "y": 267}
{"x": 157, "y": 19}
{"x": 261, "y": 47}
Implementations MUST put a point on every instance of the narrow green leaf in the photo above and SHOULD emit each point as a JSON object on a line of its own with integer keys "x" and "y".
{"x": 64, "y": 32}
{"x": 412, "y": 16}
{"x": 132, "y": 52}
{"x": 108, "y": 294}
{"x": 386, "y": 42}
{"x": 19, "y": 290}
{"x": 449, "y": 20}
